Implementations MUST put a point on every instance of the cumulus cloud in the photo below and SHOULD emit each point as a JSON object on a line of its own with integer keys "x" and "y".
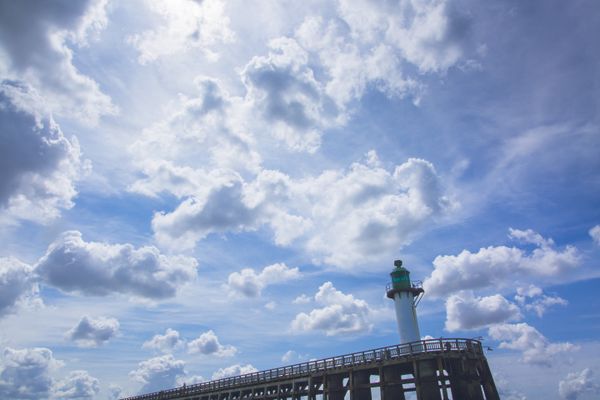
{"x": 233, "y": 370}
{"x": 352, "y": 65}
{"x": 306, "y": 82}
{"x": 292, "y": 356}
{"x": 114, "y": 392}
{"x": 289, "y": 356}
{"x": 158, "y": 373}
{"x": 250, "y": 284}
{"x": 35, "y": 39}
{"x": 38, "y": 164}
{"x": 292, "y": 101}
{"x": 507, "y": 390}
{"x": 26, "y": 373}
{"x": 197, "y": 147}
{"x": 93, "y": 268}
{"x": 93, "y": 332}
{"x": 190, "y": 380}
{"x": 578, "y": 383}
{"x": 302, "y": 299}
{"x": 595, "y": 234}
{"x": 464, "y": 311}
{"x": 499, "y": 266}
{"x": 539, "y": 306}
{"x": 341, "y": 314}
{"x": 77, "y": 385}
{"x": 531, "y": 237}
{"x": 17, "y": 285}
{"x": 368, "y": 213}
{"x": 535, "y": 348}
{"x": 370, "y": 44}
{"x": 342, "y": 218}
{"x": 165, "y": 343}
{"x": 221, "y": 210}
{"x": 208, "y": 344}
{"x": 432, "y": 35}
{"x": 532, "y": 298}
{"x": 186, "y": 24}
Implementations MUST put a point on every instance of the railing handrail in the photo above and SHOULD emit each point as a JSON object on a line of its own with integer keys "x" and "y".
{"x": 325, "y": 364}
{"x": 413, "y": 285}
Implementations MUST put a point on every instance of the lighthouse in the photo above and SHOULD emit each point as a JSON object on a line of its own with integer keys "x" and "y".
{"x": 406, "y": 296}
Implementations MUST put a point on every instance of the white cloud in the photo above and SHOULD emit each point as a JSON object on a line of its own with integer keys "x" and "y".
{"x": 535, "y": 347}
{"x": 292, "y": 356}
{"x": 187, "y": 24}
{"x": 199, "y": 146}
{"x": 93, "y": 332}
{"x": 222, "y": 210}
{"x": 539, "y": 302}
{"x": 26, "y": 373}
{"x": 499, "y": 266}
{"x": 578, "y": 383}
{"x": 38, "y": 165}
{"x": 158, "y": 373}
{"x": 342, "y": 218}
{"x": 428, "y": 34}
{"x": 341, "y": 314}
{"x": 114, "y": 392}
{"x": 250, "y": 284}
{"x": 464, "y": 311}
{"x": 541, "y": 305}
{"x": 366, "y": 214}
{"x": 93, "y": 268}
{"x": 370, "y": 44}
{"x": 299, "y": 89}
{"x": 165, "y": 343}
{"x": 208, "y": 344}
{"x": 352, "y": 65}
{"x": 17, "y": 285}
{"x": 289, "y": 356}
{"x": 595, "y": 234}
{"x": 283, "y": 87}
{"x": 530, "y": 236}
{"x": 527, "y": 291}
{"x": 302, "y": 299}
{"x": 35, "y": 39}
{"x": 77, "y": 385}
{"x": 233, "y": 370}
{"x": 506, "y": 389}
{"x": 190, "y": 380}
{"x": 306, "y": 81}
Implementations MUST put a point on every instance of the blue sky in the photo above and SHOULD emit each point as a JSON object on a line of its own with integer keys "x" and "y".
{"x": 195, "y": 189}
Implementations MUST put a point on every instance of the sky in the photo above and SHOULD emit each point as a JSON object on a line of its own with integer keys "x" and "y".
{"x": 197, "y": 189}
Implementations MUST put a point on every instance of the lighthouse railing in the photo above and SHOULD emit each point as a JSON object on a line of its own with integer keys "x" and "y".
{"x": 394, "y": 352}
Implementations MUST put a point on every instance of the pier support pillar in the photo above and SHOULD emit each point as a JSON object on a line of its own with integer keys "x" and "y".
{"x": 390, "y": 381}
{"x": 335, "y": 387}
{"x": 426, "y": 380}
{"x": 360, "y": 388}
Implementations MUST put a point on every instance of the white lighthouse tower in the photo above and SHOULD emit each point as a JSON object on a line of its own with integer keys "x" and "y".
{"x": 406, "y": 295}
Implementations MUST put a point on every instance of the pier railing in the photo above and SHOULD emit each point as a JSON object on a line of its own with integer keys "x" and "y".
{"x": 400, "y": 351}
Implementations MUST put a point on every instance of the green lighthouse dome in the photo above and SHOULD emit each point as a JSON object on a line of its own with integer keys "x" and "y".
{"x": 400, "y": 276}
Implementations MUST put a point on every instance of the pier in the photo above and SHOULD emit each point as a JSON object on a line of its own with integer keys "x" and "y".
{"x": 435, "y": 369}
